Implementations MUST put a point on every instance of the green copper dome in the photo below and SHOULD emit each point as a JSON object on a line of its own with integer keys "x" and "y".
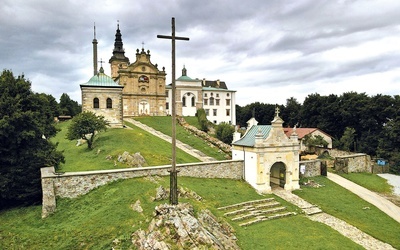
{"x": 101, "y": 80}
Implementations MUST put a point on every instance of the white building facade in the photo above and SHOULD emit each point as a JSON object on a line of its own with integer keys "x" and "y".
{"x": 214, "y": 97}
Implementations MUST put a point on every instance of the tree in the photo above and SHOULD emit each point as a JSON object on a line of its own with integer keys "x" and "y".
{"x": 389, "y": 144}
{"x": 347, "y": 140}
{"x": 26, "y": 124}
{"x": 313, "y": 141}
{"x": 202, "y": 119}
{"x": 85, "y": 126}
{"x": 224, "y": 132}
{"x": 68, "y": 106}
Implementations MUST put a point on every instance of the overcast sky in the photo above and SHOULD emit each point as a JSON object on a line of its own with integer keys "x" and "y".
{"x": 266, "y": 50}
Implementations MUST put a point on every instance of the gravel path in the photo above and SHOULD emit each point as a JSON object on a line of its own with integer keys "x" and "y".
{"x": 188, "y": 149}
{"x": 393, "y": 180}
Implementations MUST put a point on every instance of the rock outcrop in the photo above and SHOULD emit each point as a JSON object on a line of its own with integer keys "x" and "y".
{"x": 176, "y": 227}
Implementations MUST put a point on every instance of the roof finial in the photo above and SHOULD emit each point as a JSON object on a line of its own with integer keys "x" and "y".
{"x": 117, "y": 24}
{"x": 277, "y": 111}
{"x": 142, "y": 45}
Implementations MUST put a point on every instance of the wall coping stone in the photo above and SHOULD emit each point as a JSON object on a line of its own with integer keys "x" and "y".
{"x": 49, "y": 172}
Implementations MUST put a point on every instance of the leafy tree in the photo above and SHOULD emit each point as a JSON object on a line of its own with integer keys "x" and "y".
{"x": 313, "y": 141}
{"x": 202, "y": 119}
{"x": 347, "y": 140}
{"x": 389, "y": 144}
{"x": 85, "y": 126}
{"x": 224, "y": 132}
{"x": 291, "y": 112}
{"x": 26, "y": 124}
{"x": 68, "y": 106}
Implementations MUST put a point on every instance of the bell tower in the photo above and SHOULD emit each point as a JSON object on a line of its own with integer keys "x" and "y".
{"x": 118, "y": 59}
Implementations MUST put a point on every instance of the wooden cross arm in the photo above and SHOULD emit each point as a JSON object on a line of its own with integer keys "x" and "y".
{"x": 176, "y": 37}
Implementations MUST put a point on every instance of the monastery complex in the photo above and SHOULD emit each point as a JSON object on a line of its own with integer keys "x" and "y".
{"x": 140, "y": 89}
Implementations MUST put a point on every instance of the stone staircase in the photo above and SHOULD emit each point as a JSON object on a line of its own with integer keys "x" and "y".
{"x": 255, "y": 211}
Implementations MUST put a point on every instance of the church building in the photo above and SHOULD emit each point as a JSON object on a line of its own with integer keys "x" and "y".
{"x": 139, "y": 88}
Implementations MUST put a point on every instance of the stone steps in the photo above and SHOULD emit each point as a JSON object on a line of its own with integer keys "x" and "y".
{"x": 265, "y": 218}
{"x": 255, "y": 211}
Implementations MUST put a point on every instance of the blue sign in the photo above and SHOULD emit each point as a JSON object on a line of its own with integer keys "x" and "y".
{"x": 381, "y": 162}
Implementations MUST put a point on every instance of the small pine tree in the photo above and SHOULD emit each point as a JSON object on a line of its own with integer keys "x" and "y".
{"x": 202, "y": 119}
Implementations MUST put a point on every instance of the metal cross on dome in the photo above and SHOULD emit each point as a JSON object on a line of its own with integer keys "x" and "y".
{"x": 173, "y": 198}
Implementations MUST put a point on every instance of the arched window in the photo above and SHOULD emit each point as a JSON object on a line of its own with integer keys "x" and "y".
{"x": 184, "y": 101}
{"x": 193, "y": 102}
{"x": 211, "y": 100}
{"x": 109, "y": 103}
{"x": 96, "y": 103}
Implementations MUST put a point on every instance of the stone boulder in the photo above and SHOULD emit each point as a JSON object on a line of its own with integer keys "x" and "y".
{"x": 135, "y": 160}
{"x": 176, "y": 227}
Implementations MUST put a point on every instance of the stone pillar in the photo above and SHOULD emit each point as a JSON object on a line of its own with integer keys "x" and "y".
{"x": 49, "y": 198}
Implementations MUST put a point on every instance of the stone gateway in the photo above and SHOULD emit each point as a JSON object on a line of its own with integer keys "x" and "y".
{"x": 270, "y": 157}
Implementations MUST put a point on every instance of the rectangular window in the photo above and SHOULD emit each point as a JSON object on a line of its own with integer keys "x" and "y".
{"x": 166, "y": 105}
{"x": 207, "y": 112}
{"x": 217, "y": 95}
{"x": 228, "y": 112}
{"x": 217, "y": 102}
{"x": 166, "y": 93}
{"x": 214, "y": 112}
{"x": 205, "y": 101}
{"x": 228, "y": 102}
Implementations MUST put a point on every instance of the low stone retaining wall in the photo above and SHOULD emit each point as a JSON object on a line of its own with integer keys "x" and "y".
{"x": 73, "y": 184}
{"x": 311, "y": 168}
{"x": 355, "y": 163}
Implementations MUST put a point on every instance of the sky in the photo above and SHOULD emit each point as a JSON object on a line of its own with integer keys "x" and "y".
{"x": 266, "y": 50}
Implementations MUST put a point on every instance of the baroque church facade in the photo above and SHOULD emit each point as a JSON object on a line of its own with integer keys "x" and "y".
{"x": 139, "y": 89}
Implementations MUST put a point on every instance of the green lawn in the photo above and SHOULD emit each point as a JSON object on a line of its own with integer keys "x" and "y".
{"x": 95, "y": 220}
{"x": 163, "y": 124}
{"x": 370, "y": 181}
{"x": 339, "y": 202}
{"x": 114, "y": 142}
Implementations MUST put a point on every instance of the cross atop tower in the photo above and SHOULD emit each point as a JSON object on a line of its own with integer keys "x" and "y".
{"x": 101, "y": 62}
{"x": 276, "y": 111}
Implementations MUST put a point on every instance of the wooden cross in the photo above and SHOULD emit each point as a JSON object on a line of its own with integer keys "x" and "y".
{"x": 173, "y": 198}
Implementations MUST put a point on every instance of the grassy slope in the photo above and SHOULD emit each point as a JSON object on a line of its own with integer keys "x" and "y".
{"x": 337, "y": 201}
{"x": 95, "y": 220}
{"x": 163, "y": 124}
{"x": 114, "y": 142}
{"x": 370, "y": 181}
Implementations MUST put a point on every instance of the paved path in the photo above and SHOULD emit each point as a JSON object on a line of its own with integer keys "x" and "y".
{"x": 188, "y": 149}
{"x": 383, "y": 204}
{"x": 393, "y": 180}
{"x": 344, "y": 228}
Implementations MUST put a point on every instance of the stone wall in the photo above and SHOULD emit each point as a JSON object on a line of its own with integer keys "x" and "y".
{"x": 355, "y": 163}
{"x": 312, "y": 168}
{"x": 73, "y": 184}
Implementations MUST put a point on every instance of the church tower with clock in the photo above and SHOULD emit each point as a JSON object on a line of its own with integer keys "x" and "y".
{"x": 144, "y": 84}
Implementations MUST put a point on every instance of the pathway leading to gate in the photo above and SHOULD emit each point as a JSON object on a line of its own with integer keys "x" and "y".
{"x": 380, "y": 202}
{"x": 188, "y": 149}
{"x": 344, "y": 228}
